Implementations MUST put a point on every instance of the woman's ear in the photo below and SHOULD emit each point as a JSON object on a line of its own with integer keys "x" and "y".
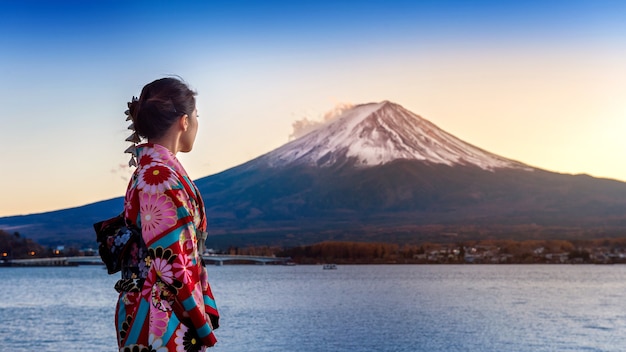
{"x": 184, "y": 122}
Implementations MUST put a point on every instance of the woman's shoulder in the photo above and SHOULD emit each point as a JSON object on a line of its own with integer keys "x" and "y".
{"x": 158, "y": 177}
{"x": 149, "y": 154}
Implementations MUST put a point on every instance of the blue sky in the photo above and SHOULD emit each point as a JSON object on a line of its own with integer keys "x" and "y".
{"x": 542, "y": 82}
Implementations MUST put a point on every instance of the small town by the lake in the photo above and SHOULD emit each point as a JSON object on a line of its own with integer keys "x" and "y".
{"x": 597, "y": 251}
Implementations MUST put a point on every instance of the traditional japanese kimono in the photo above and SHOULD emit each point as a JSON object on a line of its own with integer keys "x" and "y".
{"x": 165, "y": 301}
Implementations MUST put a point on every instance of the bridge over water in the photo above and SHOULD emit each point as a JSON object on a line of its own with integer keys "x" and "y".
{"x": 218, "y": 259}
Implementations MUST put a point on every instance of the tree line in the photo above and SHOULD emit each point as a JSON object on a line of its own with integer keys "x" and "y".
{"x": 508, "y": 251}
{"x": 14, "y": 246}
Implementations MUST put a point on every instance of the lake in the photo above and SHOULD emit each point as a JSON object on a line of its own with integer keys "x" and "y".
{"x": 355, "y": 308}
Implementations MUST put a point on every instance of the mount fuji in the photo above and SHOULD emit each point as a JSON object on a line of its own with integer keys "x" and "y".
{"x": 379, "y": 133}
{"x": 377, "y": 172}
{"x": 381, "y": 172}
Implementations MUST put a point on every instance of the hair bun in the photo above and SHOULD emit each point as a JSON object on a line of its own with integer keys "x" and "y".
{"x": 158, "y": 107}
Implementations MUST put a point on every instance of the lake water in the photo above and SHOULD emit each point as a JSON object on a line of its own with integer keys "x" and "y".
{"x": 354, "y": 308}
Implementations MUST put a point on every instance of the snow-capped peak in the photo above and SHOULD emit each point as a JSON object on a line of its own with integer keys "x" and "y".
{"x": 378, "y": 133}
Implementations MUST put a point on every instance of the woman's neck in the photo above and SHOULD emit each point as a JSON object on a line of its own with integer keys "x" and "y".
{"x": 169, "y": 141}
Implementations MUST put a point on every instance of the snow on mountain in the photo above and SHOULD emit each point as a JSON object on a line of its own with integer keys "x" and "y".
{"x": 378, "y": 133}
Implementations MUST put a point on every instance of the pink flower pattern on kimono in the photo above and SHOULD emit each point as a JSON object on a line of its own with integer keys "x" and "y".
{"x": 187, "y": 342}
{"x": 184, "y": 269}
{"x": 163, "y": 270}
{"x": 128, "y": 205}
{"x": 158, "y": 213}
{"x": 180, "y": 335}
{"x": 158, "y": 321}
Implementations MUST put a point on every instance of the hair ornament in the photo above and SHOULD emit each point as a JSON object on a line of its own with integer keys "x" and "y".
{"x": 132, "y": 161}
{"x": 134, "y": 137}
{"x": 131, "y": 150}
{"x": 134, "y": 99}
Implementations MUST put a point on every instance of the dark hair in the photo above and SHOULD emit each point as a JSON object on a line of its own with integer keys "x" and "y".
{"x": 160, "y": 104}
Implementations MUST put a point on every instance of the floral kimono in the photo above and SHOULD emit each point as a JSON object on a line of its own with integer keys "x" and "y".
{"x": 165, "y": 301}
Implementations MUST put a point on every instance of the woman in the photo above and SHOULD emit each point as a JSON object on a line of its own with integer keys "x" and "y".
{"x": 165, "y": 301}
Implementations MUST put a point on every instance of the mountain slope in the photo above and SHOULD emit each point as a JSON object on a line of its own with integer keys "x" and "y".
{"x": 378, "y": 173}
{"x": 381, "y": 166}
{"x": 71, "y": 226}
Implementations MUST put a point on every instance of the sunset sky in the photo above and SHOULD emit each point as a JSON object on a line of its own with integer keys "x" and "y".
{"x": 541, "y": 82}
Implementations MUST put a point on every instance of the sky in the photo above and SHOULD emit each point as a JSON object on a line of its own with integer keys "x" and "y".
{"x": 541, "y": 82}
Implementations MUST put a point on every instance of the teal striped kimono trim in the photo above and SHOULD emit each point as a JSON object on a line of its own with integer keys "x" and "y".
{"x": 209, "y": 302}
{"x": 204, "y": 331}
{"x": 121, "y": 313}
{"x": 190, "y": 185}
{"x": 189, "y": 303}
{"x": 182, "y": 212}
{"x": 140, "y": 317}
{"x": 171, "y": 328}
{"x": 170, "y": 238}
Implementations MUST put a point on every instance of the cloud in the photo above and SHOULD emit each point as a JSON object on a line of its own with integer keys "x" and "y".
{"x": 306, "y": 125}
{"x": 124, "y": 171}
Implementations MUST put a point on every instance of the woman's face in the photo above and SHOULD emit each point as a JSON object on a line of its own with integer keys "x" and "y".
{"x": 189, "y": 136}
